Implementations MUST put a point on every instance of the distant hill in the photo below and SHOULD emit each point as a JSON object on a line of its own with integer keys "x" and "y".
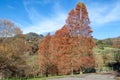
{"x": 109, "y": 42}
{"x": 32, "y": 40}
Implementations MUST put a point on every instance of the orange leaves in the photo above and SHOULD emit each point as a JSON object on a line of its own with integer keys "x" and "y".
{"x": 71, "y": 12}
{"x": 44, "y": 54}
{"x": 90, "y": 31}
{"x": 78, "y": 21}
{"x": 70, "y": 48}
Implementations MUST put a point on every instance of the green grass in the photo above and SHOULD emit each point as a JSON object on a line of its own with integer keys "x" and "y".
{"x": 106, "y": 50}
{"x": 42, "y": 78}
{"x": 37, "y": 78}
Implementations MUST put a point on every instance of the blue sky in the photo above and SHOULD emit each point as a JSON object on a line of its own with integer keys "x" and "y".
{"x": 42, "y": 16}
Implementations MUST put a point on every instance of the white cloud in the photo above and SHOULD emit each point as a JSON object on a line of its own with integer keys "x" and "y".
{"x": 42, "y": 24}
{"x": 104, "y": 13}
{"x": 99, "y": 13}
{"x": 47, "y": 25}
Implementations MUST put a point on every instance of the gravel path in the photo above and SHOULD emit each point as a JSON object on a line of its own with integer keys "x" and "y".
{"x": 89, "y": 77}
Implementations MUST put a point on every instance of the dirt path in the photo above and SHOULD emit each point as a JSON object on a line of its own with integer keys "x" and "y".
{"x": 89, "y": 77}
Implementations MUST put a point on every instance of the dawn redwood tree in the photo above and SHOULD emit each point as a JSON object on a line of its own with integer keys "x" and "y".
{"x": 44, "y": 55}
{"x": 78, "y": 25}
{"x": 60, "y": 49}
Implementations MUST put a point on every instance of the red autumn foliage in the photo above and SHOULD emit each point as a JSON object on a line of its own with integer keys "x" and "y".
{"x": 44, "y": 55}
{"x": 60, "y": 48}
{"x": 70, "y": 48}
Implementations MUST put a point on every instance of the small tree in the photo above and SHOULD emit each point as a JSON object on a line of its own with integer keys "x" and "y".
{"x": 8, "y": 28}
{"x": 44, "y": 55}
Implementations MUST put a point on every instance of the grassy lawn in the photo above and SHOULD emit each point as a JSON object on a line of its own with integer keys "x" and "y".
{"x": 43, "y": 78}
{"x": 39, "y": 78}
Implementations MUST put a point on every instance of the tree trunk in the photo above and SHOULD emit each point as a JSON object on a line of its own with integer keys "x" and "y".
{"x": 46, "y": 74}
{"x": 72, "y": 68}
{"x": 81, "y": 72}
